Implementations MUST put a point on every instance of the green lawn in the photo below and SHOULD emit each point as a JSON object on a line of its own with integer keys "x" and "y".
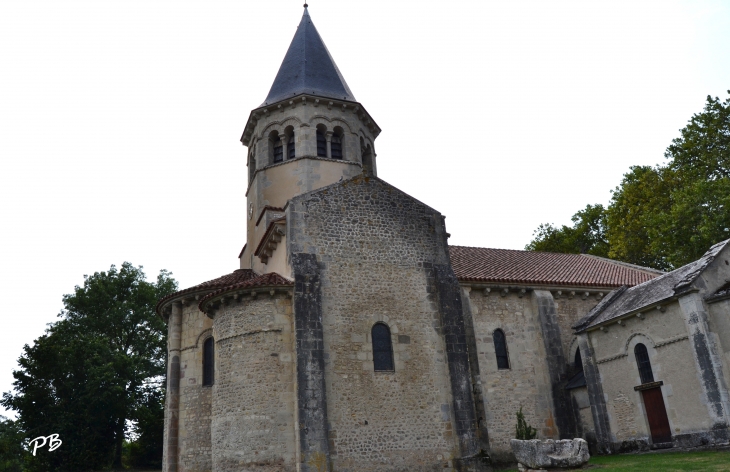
{"x": 661, "y": 462}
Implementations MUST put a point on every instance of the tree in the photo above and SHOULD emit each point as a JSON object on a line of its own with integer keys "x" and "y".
{"x": 633, "y": 219}
{"x": 12, "y": 454}
{"x": 699, "y": 162}
{"x": 666, "y": 216}
{"x": 97, "y": 368}
{"x": 586, "y": 236}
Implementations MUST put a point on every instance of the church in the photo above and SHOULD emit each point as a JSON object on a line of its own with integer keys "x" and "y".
{"x": 353, "y": 337}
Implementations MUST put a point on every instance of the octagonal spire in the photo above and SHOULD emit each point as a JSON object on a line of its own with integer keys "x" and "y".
{"x": 309, "y": 68}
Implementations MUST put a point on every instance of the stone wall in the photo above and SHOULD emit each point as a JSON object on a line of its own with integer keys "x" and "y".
{"x": 582, "y": 405}
{"x": 526, "y": 383}
{"x": 571, "y": 308}
{"x": 535, "y": 380}
{"x": 194, "y": 433}
{"x": 376, "y": 248}
{"x": 719, "y": 322}
{"x": 253, "y": 412}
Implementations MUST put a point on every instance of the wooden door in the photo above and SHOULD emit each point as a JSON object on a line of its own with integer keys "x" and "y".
{"x": 656, "y": 413}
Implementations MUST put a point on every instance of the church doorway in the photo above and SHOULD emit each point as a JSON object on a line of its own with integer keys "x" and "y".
{"x": 656, "y": 414}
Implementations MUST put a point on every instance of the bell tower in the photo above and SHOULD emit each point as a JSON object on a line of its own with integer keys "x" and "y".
{"x": 310, "y": 132}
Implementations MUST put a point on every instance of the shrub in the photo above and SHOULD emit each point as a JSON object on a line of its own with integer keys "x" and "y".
{"x": 524, "y": 430}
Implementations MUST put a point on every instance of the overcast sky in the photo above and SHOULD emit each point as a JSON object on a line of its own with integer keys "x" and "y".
{"x": 120, "y": 120}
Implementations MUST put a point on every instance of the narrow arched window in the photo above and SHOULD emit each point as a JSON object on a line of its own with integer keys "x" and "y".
{"x": 578, "y": 361}
{"x": 278, "y": 149}
{"x": 321, "y": 144}
{"x": 500, "y": 348}
{"x": 290, "y": 147}
{"x": 642, "y": 361}
{"x": 208, "y": 362}
{"x": 382, "y": 348}
{"x": 336, "y": 147}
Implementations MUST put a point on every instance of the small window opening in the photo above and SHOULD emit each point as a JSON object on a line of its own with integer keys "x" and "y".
{"x": 382, "y": 348}
{"x": 336, "y": 147}
{"x": 278, "y": 150}
{"x": 500, "y": 348}
{"x": 642, "y": 361}
{"x": 321, "y": 144}
{"x": 290, "y": 147}
{"x": 208, "y": 362}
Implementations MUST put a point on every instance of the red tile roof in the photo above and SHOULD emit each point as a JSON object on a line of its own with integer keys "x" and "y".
{"x": 265, "y": 280}
{"x": 478, "y": 264}
{"x": 235, "y": 277}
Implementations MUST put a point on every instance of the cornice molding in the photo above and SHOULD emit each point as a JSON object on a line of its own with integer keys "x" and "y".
{"x": 307, "y": 100}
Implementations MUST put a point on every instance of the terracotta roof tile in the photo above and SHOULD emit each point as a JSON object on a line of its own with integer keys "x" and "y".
{"x": 477, "y": 264}
{"x": 237, "y": 276}
{"x": 265, "y": 280}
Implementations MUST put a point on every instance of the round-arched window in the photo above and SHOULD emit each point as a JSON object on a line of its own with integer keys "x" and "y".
{"x": 642, "y": 361}
{"x": 382, "y": 348}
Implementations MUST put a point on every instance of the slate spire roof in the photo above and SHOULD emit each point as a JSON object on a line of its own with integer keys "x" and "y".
{"x": 308, "y": 67}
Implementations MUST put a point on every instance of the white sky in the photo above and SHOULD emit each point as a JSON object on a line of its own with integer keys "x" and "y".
{"x": 120, "y": 120}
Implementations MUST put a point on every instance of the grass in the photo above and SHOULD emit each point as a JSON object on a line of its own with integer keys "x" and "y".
{"x": 661, "y": 462}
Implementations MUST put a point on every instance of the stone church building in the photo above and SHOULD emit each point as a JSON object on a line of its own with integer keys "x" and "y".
{"x": 354, "y": 338}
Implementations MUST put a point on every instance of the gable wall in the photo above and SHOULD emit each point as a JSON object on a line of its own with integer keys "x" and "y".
{"x": 672, "y": 362}
{"x": 716, "y": 274}
{"x": 376, "y": 249}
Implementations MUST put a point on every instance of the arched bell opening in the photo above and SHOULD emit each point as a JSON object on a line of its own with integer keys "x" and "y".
{"x": 276, "y": 149}
{"x": 290, "y": 151}
{"x": 321, "y": 141}
{"x": 337, "y": 144}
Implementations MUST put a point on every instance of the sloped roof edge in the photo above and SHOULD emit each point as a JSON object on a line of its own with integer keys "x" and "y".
{"x": 598, "y": 309}
{"x": 236, "y": 276}
{"x": 654, "y": 292}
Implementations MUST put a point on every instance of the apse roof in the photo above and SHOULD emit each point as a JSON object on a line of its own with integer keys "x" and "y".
{"x": 308, "y": 68}
{"x": 235, "y": 277}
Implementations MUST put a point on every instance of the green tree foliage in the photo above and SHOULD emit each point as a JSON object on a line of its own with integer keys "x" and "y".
{"x": 634, "y": 217}
{"x": 586, "y": 236}
{"x": 12, "y": 454}
{"x": 665, "y": 216}
{"x": 524, "y": 430}
{"x": 98, "y": 368}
